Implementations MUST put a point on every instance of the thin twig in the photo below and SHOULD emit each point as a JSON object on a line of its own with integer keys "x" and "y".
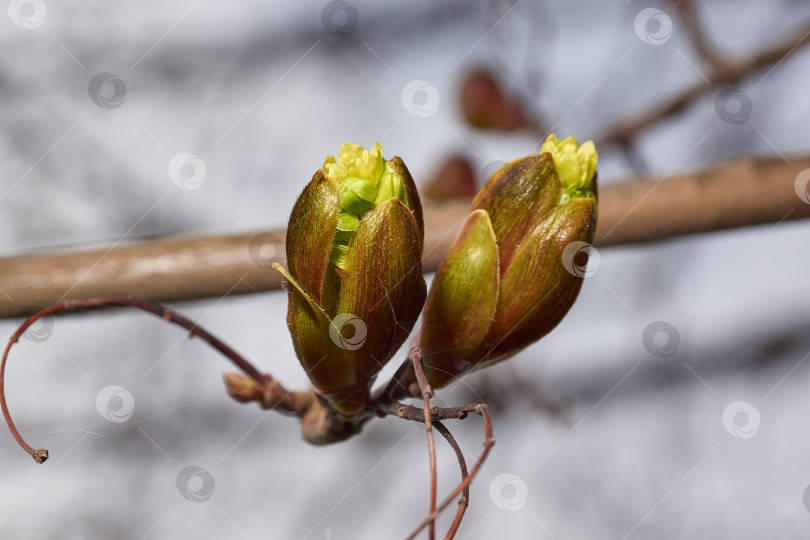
{"x": 489, "y": 442}
{"x": 464, "y": 501}
{"x": 691, "y": 22}
{"x": 630, "y": 211}
{"x": 397, "y": 387}
{"x": 416, "y": 360}
{"x": 723, "y": 72}
{"x": 416, "y": 414}
{"x": 272, "y": 395}
{"x": 287, "y": 400}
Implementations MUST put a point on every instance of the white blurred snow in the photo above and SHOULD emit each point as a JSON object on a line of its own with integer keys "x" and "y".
{"x": 262, "y": 92}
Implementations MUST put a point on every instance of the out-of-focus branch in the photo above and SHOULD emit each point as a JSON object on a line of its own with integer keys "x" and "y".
{"x": 739, "y": 193}
{"x": 723, "y": 71}
{"x": 691, "y": 21}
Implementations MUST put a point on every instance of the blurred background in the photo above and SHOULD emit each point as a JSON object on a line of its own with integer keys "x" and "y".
{"x": 671, "y": 401}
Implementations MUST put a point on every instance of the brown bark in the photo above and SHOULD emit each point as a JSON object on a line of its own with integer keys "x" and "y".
{"x": 739, "y": 193}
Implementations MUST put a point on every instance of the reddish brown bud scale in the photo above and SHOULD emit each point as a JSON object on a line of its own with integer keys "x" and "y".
{"x": 504, "y": 284}
{"x": 347, "y": 321}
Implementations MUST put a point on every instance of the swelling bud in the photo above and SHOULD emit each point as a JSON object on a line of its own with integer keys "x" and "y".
{"x": 503, "y": 284}
{"x": 354, "y": 276}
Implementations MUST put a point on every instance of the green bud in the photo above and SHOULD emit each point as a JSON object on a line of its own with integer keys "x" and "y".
{"x": 504, "y": 285}
{"x": 576, "y": 165}
{"x": 364, "y": 180}
{"x": 354, "y": 250}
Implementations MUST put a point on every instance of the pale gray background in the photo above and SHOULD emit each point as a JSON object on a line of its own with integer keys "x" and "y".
{"x": 262, "y": 92}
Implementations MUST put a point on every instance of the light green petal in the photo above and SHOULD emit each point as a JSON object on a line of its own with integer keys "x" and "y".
{"x": 357, "y": 195}
{"x": 347, "y": 223}
{"x": 575, "y": 164}
{"x": 338, "y": 255}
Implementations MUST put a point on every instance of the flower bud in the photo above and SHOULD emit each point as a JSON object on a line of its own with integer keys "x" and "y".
{"x": 503, "y": 285}
{"x": 354, "y": 250}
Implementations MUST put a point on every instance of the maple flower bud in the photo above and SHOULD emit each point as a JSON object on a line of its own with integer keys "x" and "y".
{"x": 503, "y": 285}
{"x": 354, "y": 250}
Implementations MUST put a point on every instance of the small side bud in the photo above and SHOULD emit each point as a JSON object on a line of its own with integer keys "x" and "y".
{"x": 241, "y": 388}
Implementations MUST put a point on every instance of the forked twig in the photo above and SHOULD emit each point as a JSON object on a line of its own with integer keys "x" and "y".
{"x": 416, "y": 359}
{"x": 723, "y": 72}
{"x": 489, "y": 442}
{"x": 464, "y": 501}
{"x": 694, "y": 30}
{"x": 271, "y": 394}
